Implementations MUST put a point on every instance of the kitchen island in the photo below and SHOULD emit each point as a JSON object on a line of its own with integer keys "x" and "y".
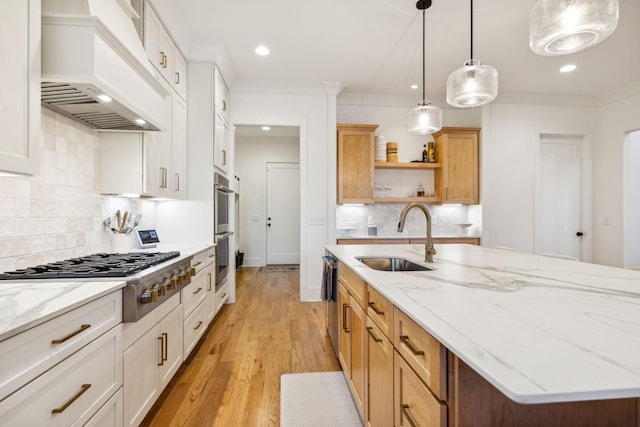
{"x": 536, "y": 331}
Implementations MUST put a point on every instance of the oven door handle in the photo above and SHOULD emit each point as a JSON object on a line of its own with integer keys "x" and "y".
{"x": 224, "y": 235}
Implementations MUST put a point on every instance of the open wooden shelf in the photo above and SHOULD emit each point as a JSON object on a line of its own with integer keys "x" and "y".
{"x": 435, "y": 199}
{"x": 411, "y": 165}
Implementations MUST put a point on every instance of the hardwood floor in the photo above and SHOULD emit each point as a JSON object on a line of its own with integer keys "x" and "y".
{"x": 233, "y": 378}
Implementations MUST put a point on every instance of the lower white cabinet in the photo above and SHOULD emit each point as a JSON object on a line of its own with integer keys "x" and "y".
{"x": 222, "y": 295}
{"x": 111, "y": 414}
{"x": 149, "y": 364}
{"x": 71, "y": 392}
{"x": 194, "y": 327}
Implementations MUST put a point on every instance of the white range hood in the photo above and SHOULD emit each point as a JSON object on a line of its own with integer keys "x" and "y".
{"x": 91, "y": 49}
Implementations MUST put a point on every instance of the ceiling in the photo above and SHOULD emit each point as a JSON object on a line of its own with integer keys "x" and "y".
{"x": 374, "y": 46}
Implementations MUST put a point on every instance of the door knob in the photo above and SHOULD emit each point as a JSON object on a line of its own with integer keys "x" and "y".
{"x": 579, "y": 234}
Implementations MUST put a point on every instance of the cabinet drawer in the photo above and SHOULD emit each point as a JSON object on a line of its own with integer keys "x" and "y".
{"x": 414, "y": 405}
{"x": 111, "y": 414}
{"x": 199, "y": 260}
{"x": 422, "y": 352}
{"x": 194, "y": 326}
{"x": 32, "y": 352}
{"x": 72, "y": 391}
{"x": 380, "y": 310}
{"x": 194, "y": 293}
{"x": 354, "y": 284}
{"x": 222, "y": 295}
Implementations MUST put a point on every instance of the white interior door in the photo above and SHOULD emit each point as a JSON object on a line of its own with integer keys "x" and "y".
{"x": 631, "y": 200}
{"x": 283, "y": 213}
{"x": 558, "y": 224}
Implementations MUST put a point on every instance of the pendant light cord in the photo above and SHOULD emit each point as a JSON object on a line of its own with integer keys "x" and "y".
{"x": 471, "y": 27}
{"x": 424, "y": 97}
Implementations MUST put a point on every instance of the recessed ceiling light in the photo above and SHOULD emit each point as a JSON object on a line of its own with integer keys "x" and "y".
{"x": 567, "y": 68}
{"x": 104, "y": 98}
{"x": 140, "y": 121}
{"x": 262, "y": 50}
{"x": 266, "y": 128}
{"x": 414, "y": 87}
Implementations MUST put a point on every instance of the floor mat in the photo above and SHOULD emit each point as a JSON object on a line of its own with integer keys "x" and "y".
{"x": 317, "y": 399}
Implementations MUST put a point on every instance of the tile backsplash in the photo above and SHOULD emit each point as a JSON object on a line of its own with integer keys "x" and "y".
{"x": 352, "y": 221}
{"x": 57, "y": 214}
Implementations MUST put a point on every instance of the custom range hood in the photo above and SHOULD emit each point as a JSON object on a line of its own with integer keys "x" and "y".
{"x": 95, "y": 69}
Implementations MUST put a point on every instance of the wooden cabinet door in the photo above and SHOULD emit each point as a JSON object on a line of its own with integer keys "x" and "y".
{"x": 344, "y": 325}
{"x": 355, "y": 163}
{"x": 379, "y": 378}
{"x": 358, "y": 354}
{"x": 457, "y": 151}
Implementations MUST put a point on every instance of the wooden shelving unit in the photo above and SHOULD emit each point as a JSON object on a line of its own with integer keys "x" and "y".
{"x": 411, "y": 165}
{"x": 434, "y": 199}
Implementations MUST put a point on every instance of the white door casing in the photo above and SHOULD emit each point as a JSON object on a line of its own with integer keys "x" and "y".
{"x": 558, "y": 200}
{"x": 283, "y": 213}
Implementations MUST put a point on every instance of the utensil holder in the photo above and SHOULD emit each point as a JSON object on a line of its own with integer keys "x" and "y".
{"x": 121, "y": 243}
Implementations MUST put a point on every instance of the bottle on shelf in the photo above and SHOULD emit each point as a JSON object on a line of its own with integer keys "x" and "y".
{"x": 425, "y": 154}
{"x": 431, "y": 153}
{"x": 420, "y": 190}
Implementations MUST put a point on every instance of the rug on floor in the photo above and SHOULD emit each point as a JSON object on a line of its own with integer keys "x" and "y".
{"x": 279, "y": 268}
{"x": 317, "y": 399}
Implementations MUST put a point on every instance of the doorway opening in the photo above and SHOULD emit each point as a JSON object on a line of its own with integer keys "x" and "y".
{"x": 267, "y": 163}
{"x": 631, "y": 199}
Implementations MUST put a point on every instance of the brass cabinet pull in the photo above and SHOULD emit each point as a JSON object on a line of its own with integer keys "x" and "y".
{"x": 61, "y": 409}
{"x": 161, "y": 351}
{"x": 344, "y": 317}
{"x": 163, "y": 60}
{"x": 71, "y": 335}
{"x": 197, "y": 263}
{"x": 197, "y": 290}
{"x": 405, "y": 412}
{"x": 224, "y": 157}
{"x": 165, "y": 356}
{"x": 375, "y": 338}
{"x": 198, "y": 325}
{"x": 223, "y": 296}
{"x": 177, "y": 78}
{"x": 177, "y": 182}
{"x": 209, "y": 286}
{"x": 224, "y": 105}
{"x": 373, "y": 307}
{"x": 405, "y": 340}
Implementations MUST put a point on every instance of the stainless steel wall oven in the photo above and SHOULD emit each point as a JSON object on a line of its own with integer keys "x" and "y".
{"x": 222, "y": 229}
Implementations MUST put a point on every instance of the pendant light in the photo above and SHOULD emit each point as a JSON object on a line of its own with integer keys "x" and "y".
{"x": 560, "y": 27}
{"x": 425, "y": 118}
{"x": 474, "y": 84}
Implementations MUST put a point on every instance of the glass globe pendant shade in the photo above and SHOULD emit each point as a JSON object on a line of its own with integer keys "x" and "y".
{"x": 560, "y": 27}
{"x": 472, "y": 85}
{"x": 424, "y": 119}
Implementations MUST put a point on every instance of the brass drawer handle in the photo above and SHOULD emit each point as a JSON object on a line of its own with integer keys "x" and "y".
{"x": 197, "y": 290}
{"x": 198, "y": 325}
{"x": 71, "y": 335}
{"x": 375, "y": 338}
{"x": 160, "y": 363}
{"x": 177, "y": 78}
{"x": 405, "y": 412}
{"x": 376, "y": 310}
{"x": 197, "y": 263}
{"x": 165, "y": 356}
{"x": 209, "y": 287}
{"x": 61, "y": 409}
{"x": 344, "y": 317}
{"x": 405, "y": 341}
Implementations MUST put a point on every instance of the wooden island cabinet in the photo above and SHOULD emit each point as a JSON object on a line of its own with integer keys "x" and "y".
{"x": 401, "y": 375}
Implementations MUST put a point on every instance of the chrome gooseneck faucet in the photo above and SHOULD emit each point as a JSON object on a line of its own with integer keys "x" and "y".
{"x": 429, "y": 250}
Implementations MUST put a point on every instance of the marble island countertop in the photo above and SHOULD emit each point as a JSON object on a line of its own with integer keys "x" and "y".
{"x": 25, "y": 304}
{"x": 539, "y": 329}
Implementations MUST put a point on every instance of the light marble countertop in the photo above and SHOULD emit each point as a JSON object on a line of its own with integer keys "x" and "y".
{"x": 25, "y": 304}
{"x": 539, "y": 329}
{"x": 404, "y": 236}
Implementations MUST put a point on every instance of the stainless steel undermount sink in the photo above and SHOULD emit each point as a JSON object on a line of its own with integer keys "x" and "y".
{"x": 391, "y": 264}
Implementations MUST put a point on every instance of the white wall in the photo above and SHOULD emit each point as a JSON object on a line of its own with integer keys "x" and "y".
{"x": 510, "y": 142}
{"x": 315, "y": 115}
{"x": 251, "y": 158}
{"x": 614, "y": 120}
{"x": 631, "y": 195}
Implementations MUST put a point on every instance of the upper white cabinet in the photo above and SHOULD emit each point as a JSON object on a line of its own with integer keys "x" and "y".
{"x": 163, "y": 53}
{"x": 221, "y": 99}
{"x": 223, "y": 136}
{"x": 20, "y": 96}
{"x": 179, "y": 149}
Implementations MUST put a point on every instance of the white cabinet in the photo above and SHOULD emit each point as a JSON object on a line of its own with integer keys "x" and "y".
{"x": 111, "y": 414}
{"x": 196, "y": 298}
{"x": 223, "y": 137}
{"x": 71, "y": 392}
{"x": 150, "y": 363}
{"x": 163, "y": 53}
{"x": 222, "y": 295}
{"x": 20, "y": 96}
{"x": 148, "y": 163}
{"x": 204, "y": 264}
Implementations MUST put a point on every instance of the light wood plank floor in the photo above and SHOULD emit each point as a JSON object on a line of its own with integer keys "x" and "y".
{"x": 233, "y": 377}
